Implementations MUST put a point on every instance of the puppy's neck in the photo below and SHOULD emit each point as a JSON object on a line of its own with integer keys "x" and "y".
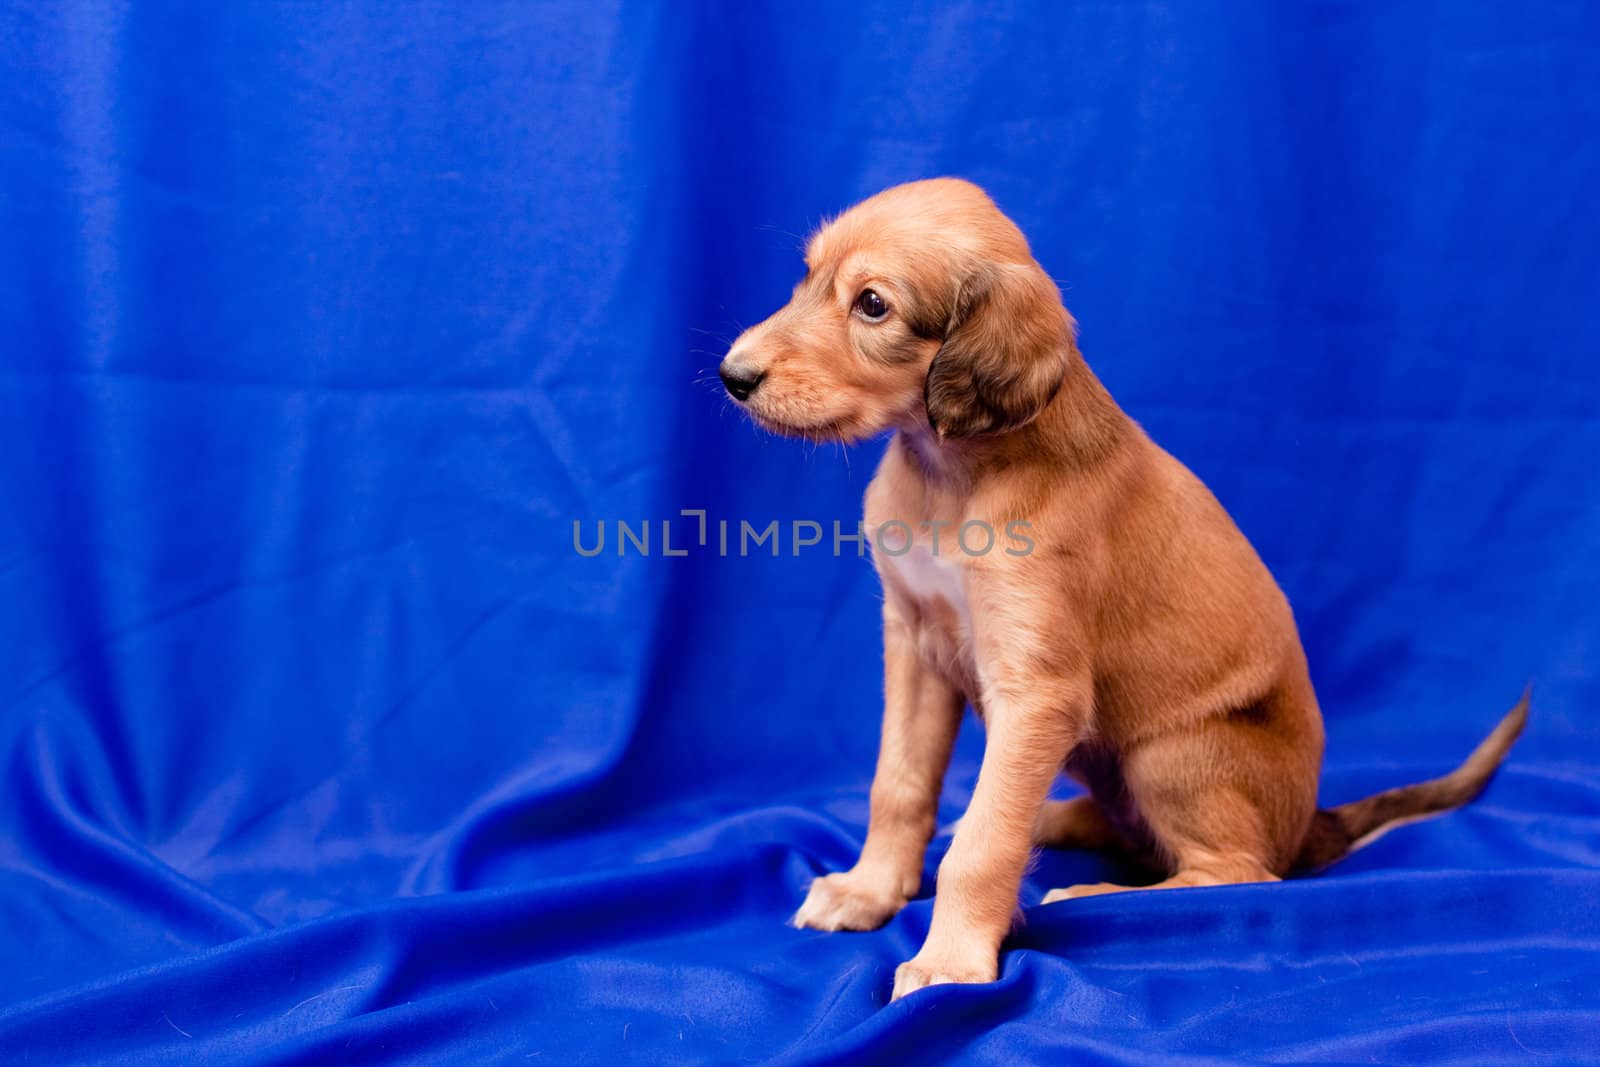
{"x": 1082, "y": 427}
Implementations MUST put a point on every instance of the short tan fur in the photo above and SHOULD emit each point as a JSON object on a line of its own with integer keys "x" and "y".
{"x": 1142, "y": 646}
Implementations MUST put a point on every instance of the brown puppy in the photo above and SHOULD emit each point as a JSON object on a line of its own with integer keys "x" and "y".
{"x": 1141, "y": 645}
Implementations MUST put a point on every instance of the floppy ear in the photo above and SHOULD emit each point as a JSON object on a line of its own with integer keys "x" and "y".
{"x": 1005, "y": 352}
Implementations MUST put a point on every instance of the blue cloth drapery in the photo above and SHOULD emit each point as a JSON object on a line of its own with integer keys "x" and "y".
{"x": 321, "y": 325}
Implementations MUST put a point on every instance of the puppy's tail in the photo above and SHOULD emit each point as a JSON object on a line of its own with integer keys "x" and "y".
{"x": 1337, "y": 832}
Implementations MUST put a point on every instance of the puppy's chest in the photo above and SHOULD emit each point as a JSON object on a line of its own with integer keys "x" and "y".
{"x": 933, "y": 585}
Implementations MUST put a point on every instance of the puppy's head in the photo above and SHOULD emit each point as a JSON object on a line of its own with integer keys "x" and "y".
{"x": 921, "y": 307}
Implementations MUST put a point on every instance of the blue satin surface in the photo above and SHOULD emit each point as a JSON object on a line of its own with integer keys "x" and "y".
{"x": 321, "y": 325}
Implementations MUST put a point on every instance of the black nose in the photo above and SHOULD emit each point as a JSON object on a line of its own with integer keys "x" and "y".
{"x": 741, "y": 379}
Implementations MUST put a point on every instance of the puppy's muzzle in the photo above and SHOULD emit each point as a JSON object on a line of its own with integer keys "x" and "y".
{"x": 739, "y": 377}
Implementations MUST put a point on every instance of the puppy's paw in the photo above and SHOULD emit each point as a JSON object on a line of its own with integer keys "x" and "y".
{"x": 846, "y": 901}
{"x": 924, "y": 970}
{"x": 1073, "y": 892}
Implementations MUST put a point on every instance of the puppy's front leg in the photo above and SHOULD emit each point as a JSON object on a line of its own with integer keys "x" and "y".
{"x": 921, "y": 714}
{"x": 1036, "y": 708}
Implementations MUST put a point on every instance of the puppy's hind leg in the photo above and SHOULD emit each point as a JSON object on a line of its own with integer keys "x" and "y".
{"x": 1203, "y": 813}
{"x": 1198, "y": 869}
{"x": 1076, "y": 823}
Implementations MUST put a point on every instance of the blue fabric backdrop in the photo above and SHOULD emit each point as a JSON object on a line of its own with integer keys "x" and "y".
{"x": 321, "y": 324}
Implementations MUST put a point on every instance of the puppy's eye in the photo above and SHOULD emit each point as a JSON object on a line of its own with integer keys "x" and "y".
{"x": 871, "y": 305}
